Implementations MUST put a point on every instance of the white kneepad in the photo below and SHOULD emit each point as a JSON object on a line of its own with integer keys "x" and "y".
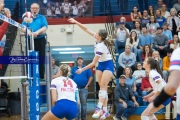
{"x": 103, "y": 93}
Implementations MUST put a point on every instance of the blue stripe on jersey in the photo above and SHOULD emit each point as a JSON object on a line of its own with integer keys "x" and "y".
{"x": 99, "y": 53}
{"x": 53, "y": 86}
{"x": 175, "y": 62}
{"x": 155, "y": 78}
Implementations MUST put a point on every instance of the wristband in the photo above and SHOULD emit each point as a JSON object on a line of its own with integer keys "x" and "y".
{"x": 163, "y": 96}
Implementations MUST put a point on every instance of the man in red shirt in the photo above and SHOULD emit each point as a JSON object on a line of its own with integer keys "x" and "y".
{"x": 146, "y": 87}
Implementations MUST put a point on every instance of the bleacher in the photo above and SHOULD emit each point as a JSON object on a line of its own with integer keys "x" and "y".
{"x": 99, "y": 8}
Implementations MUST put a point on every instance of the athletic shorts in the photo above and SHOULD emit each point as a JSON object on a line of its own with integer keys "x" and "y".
{"x": 65, "y": 109}
{"x": 167, "y": 102}
{"x": 106, "y": 65}
{"x": 178, "y": 117}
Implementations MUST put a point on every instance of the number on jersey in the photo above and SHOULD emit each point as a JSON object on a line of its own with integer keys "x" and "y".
{"x": 68, "y": 82}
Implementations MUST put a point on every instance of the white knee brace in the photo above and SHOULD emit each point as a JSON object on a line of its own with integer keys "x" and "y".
{"x": 102, "y": 93}
{"x": 144, "y": 118}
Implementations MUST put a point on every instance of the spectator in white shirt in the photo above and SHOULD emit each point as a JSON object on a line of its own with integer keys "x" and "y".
{"x": 121, "y": 34}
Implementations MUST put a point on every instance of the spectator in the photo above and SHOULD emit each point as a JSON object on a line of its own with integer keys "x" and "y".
{"x": 49, "y": 9}
{"x": 167, "y": 32}
{"x": 159, "y": 4}
{"x": 126, "y": 24}
{"x": 130, "y": 80}
{"x": 133, "y": 41}
{"x": 57, "y": 10}
{"x": 159, "y": 18}
{"x": 127, "y": 58}
{"x": 161, "y": 42}
{"x": 174, "y": 22}
{"x": 75, "y": 11}
{"x": 55, "y": 68}
{"x": 147, "y": 52}
{"x": 175, "y": 43}
{"x": 166, "y": 64}
{"x": 151, "y": 11}
{"x": 135, "y": 12}
{"x": 83, "y": 81}
{"x": 164, "y": 11}
{"x": 152, "y": 26}
{"x": 66, "y": 8}
{"x": 157, "y": 57}
{"x": 146, "y": 87}
{"x": 145, "y": 18}
{"x": 137, "y": 28}
{"x": 177, "y": 6}
{"x": 139, "y": 74}
{"x": 121, "y": 34}
{"x": 82, "y": 8}
{"x": 137, "y": 19}
{"x": 123, "y": 100}
{"x": 144, "y": 39}
{"x": 143, "y": 3}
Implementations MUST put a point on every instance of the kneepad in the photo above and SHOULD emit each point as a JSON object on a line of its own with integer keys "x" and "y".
{"x": 103, "y": 93}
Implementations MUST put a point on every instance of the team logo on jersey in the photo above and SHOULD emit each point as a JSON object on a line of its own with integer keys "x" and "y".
{"x": 157, "y": 77}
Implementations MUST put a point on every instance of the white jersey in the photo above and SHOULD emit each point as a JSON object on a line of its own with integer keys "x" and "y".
{"x": 101, "y": 50}
{"x": 175, "y": 65}
{"x": 75, "y": 10}
{"x": 65, "y": 88}
{"x": 66, "y": 7}
{"x": 57, "y": 10}
{"x": 49, "y": 11}
{"x": 154, "y": 76}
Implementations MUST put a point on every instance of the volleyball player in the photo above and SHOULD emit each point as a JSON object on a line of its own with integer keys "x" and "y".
{"x": 155, "y": 77}
{"x": 63, "y": 91}
{"x": 105, "y": 68}
{"x": 172, "y": 86}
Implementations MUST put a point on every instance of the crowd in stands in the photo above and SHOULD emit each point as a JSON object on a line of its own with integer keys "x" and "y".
{"x": 67, "y": 9}
{"x": 154, "y": 33}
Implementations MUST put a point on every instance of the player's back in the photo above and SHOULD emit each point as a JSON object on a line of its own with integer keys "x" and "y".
{"x": 65, "y": 87}
{"x": 175, "y": 65}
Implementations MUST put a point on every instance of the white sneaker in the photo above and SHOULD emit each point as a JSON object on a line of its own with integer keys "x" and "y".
{"x": 115, "y": 118}
{"x": 97, "y": 113}
{"x": 104, "y": 115}
{"x": 123, "y": 118}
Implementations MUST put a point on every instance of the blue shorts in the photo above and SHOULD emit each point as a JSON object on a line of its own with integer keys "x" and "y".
{"x": 106, "y": 65}
{"x": 178, "y": 117}
{"x": 65, "y": 109}
{"x": 167, "y": 102}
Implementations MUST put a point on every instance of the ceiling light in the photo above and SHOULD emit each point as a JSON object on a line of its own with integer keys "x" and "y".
{"x": 74, "y": 52}
{"x": 68, "y": 62}
{"x": 66, "y": 49}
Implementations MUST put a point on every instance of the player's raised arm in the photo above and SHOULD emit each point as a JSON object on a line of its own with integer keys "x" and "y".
{"x": 90, "y": 32}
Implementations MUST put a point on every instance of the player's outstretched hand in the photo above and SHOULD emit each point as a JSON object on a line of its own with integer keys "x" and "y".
{"x": 72, "y": 20}
{"x": 79, "y": 71}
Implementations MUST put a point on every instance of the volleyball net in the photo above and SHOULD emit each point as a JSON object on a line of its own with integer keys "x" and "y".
{"x": 20, "y": 73}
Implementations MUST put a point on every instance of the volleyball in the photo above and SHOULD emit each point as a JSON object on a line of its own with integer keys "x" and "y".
{"x": 27, "y": 17}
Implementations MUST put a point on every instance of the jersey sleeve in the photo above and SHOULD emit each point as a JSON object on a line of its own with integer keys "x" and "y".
{"x": 155, "y": 76}
{"x": 53, "y": 85}
{"x": 175, "y": 60}
{"x": 99, "y": 50}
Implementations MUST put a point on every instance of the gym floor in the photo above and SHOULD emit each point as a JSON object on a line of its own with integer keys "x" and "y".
{"x": 18, "y": 117}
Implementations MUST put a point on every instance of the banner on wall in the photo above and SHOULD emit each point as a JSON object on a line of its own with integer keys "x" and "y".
{"x": 66, "y": 8}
